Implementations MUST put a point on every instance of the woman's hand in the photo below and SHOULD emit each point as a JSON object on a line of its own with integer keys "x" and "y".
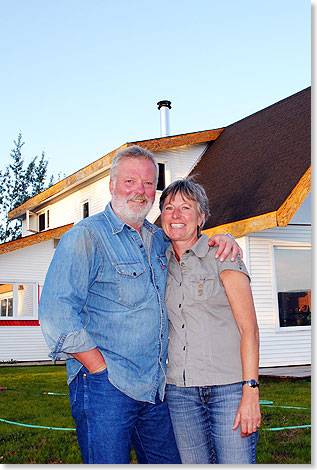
{"x": 225, "y": 244}
{"x": 248, "y": 415}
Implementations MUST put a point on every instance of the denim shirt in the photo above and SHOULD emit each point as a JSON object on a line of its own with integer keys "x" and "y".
{"x": 105, "y": 288}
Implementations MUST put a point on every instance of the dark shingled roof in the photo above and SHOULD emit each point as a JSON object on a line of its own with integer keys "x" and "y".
{"x": 255, "y": 163}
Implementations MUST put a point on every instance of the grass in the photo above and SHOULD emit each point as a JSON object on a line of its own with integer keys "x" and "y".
{"x": 27, "y": 404}
{"x": 291, "y": 446}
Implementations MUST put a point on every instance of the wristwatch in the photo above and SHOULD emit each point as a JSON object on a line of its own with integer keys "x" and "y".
{"x": 252, "y": 383}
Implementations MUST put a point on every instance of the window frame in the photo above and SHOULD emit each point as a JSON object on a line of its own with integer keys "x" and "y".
{"x": 81, "y": 210}
{"x": 15, "y": 294}
{"x": 290, "y": 245}
{"x": 167, "y": 174}
{"x": 33, "y": 220}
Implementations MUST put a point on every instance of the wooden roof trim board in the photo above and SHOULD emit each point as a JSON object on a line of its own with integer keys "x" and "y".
{"x": 243, "y": 227}
{"x": 279, "y": 218}
{"x": 34, "y": 239}
{"x": 287, "y": 210}
{"x": 161, "y": 143}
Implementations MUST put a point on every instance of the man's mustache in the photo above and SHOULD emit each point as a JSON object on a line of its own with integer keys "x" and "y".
{"x": 138, "y": 198}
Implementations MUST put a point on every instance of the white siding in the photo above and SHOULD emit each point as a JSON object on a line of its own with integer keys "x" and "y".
{"x": 178, "y": 162}
{"x": 29, "y": 264}
{"x": 278, "y": 347}
{"x": 66, "y": 209}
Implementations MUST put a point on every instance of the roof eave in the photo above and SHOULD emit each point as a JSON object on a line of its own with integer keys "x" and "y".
{"x": 278, "y": 218}
{"x": 30, "y": 240}
{"x": 103, "y": 163}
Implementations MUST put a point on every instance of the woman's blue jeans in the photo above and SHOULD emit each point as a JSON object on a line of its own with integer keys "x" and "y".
{"x": 203, "y": 418}
{"x": 108, "y": 422}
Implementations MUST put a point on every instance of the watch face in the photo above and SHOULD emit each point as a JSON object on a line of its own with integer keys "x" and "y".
{"x": 253, "y": 383}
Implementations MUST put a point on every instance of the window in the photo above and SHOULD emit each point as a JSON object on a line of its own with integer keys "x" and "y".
{"x": 37, "y": 222}
{"x": 18, "y": 301}
{"x": 6, "y": 300}
{"x": 161, "y": 178}
{"x": 44, "y": 220}
{"x": 293, "y": 281}
{"x": 85, "y": 210}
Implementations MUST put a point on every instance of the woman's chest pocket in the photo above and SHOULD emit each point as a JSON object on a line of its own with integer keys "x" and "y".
{"x": 200, "y": 287}
{"x": 131, "y": 283}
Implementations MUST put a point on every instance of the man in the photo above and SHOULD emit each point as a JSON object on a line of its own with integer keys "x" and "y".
{"x": 102, "y": 308}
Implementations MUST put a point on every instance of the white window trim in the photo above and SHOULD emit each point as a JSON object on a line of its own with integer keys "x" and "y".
{"x": 32, "y": 220}
{"x": 289, "y": 245}
{"x": 15, "y": 285}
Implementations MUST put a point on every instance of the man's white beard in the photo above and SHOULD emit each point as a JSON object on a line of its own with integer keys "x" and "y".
{"x": 133, "y": 216}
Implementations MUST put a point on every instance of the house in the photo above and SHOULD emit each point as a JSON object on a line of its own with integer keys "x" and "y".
{"x": 257, "y": 176}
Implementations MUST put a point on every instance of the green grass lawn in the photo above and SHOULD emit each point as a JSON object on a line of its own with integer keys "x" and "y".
{"x": 28, "y": 405}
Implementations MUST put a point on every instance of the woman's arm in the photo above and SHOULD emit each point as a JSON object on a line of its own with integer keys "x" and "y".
{"x": 237, "y": 287}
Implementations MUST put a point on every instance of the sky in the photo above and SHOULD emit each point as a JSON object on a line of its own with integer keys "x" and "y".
{"x": 80, "y": 78}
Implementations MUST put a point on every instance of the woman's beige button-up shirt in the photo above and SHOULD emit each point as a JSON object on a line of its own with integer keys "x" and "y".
{"x": 204, "y": 340}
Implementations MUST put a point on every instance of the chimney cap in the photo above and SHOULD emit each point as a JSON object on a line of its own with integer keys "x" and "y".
{"x": 166, "y": 103}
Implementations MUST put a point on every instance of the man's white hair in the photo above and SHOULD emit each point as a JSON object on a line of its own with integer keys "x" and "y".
{"x": 132, "y": 152}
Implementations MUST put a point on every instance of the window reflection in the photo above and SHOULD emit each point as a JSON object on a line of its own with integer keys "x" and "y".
{"x": 293, "y": 278}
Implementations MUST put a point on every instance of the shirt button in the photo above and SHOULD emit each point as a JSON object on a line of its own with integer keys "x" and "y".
{"x": 160, "y": 359}
{"x": 182, "y": 264}
{"x": 201, "y": 285}
{"x": 141, "y": 246}
{"x": 183, "y": 326}
{"x": 179, "y": 306}
{"x": 184, "y": 348}
{"x": 200, "y": 291}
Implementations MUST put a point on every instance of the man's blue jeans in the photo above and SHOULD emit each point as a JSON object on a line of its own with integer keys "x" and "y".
{"x": 203, "y": 418}
{"x": 108, "y": 422}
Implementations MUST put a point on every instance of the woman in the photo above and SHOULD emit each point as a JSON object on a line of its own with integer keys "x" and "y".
{"x": 212, "y": 373}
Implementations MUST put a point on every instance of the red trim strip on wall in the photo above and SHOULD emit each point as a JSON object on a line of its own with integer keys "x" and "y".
{"x": 19, "y": 323}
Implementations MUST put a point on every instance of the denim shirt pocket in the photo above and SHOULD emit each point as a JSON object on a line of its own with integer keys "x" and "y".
{"x": 201, "y": 287}
{"x": 131, "y": 280}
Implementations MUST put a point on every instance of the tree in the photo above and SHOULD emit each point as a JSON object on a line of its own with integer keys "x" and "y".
{"x": 17, "y": 184}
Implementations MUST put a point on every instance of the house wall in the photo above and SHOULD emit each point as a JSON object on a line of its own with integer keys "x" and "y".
{"x": 30, "y": 264}
{"x": 278, "y": 346}
{"x": 67, "y": 208}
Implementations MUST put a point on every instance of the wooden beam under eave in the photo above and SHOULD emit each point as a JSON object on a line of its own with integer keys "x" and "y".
{"x": 164, "y": 143}
{"x": 35, "y": 201}
{"x": 34, "y": 239}
{"x": 103, "y": 163}
{"x": 246, "y": 226}
{"x": 290, "y": 206}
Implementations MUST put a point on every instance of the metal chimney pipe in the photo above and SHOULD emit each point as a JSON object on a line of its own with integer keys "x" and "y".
{"x": 164, "y": 107}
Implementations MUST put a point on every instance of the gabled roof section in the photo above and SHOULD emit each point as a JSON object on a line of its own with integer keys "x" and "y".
{"x": 34, "y": 239}
{"x": 257, "y": 173}
{"x": 103, "y": 163}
